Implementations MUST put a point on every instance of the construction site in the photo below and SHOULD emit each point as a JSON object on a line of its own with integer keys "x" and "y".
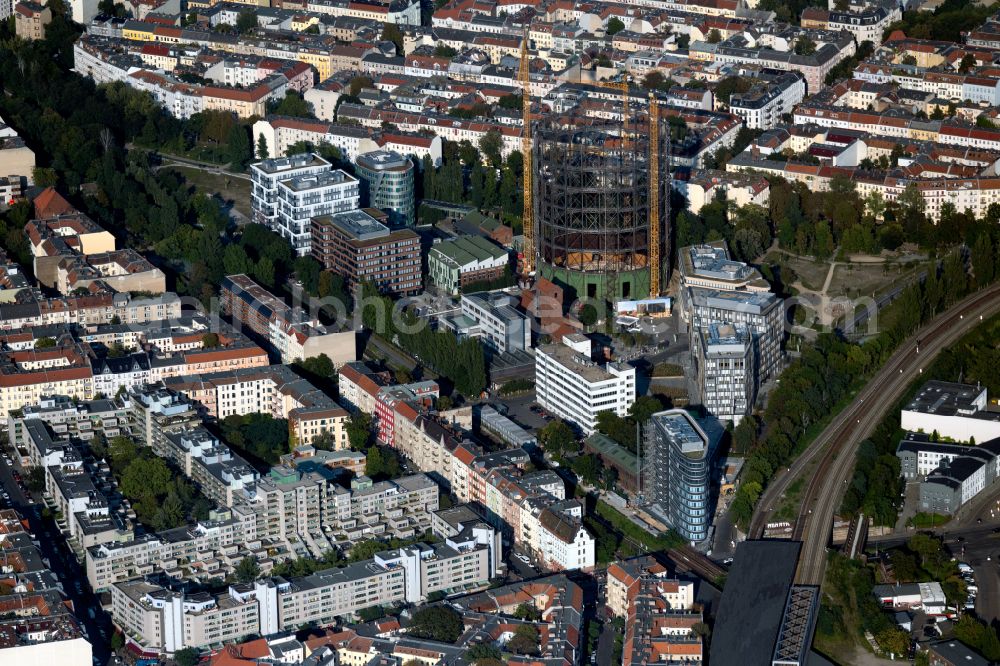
{"x": 596, "y": 210}
{"x": 600, "y": 210}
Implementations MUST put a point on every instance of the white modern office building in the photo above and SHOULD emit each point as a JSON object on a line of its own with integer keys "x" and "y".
{"x": 304, "y": 197}
{"x": 499, "y": 324}
{"x": 265, "y": 176}
{"x": 727, "y": 371}
{"x": 760, "y": 312}
{"x": 956, "y": 412}
{"x": 575, "y": 388}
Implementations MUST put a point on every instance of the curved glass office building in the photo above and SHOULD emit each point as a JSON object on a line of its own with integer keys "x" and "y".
{"x": 387, "y": 184}
{"x": 677, "y": 473}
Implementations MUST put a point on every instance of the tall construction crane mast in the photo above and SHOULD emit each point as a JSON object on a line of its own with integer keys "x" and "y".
{"x": 528, "y": 214}
{"x": 654, "y": 197}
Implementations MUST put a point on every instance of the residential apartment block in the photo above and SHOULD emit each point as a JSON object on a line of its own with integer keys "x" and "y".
{"x": 356, "y": 246}
{"x": 265, "y": 176}
{"x": 774, "y": 95}
{"x": 162, "y": 621}
{"x": 294, "y": 333}
{"x": 302, "y": 198}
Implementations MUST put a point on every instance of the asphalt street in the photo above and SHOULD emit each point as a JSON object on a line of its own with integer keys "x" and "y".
{"x": 62, "y": 562}
{"x": 977, "y": 545}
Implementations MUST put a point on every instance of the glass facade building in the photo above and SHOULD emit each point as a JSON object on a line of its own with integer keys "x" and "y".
{"x": 387, "y": 184}
{"x": 677, "y": 463}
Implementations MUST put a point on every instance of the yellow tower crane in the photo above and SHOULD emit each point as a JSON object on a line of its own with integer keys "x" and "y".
{"x": 528, "y": 214}
{"x": 654, "y": 197}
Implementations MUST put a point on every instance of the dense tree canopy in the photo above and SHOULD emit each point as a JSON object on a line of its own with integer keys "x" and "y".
{"x": 437, "y": 623}
{"x": 260, "y": 437}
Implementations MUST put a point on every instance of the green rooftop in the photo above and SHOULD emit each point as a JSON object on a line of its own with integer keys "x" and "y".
{"x": 611, "y": 450}
{"x": 468, "y": 249}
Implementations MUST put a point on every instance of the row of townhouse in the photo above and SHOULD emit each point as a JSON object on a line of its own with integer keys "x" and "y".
{"x": 322, "y": 52}
{"x": 74, "y": 370}
{"x": 774, "y": 48}
{"x": 157, "y": 620}
{"x": 530, "y": 508}
{"x": 446, "y": 127}
{"x": 974, "y": 87}
{"x": 89, "y": 310}
{"x": 279, "y": 133}
{"x": 952, "y": 132}
{"x": 974, "y": 194}
{"x": 36, "y": 614}
{"x": 104, "y": 61}
{"x": 658, "y": 612}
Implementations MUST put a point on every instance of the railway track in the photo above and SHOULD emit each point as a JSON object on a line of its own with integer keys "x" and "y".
{"x": 688, "y": 558}
{"x": 837, "y": 444}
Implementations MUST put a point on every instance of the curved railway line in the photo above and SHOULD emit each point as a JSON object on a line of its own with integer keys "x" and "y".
{"x": 836, "y": 445}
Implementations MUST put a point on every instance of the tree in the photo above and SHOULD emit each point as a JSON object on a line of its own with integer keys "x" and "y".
{"x": 587, "y": 314}
{"x": 247, "y": 570}
{"x": 186, "y": 657}
{"x": 556, "y": 437}
{"x": 526, "y": 611}
{"x": 392, "y": 33}
{"x": 805, "y": 46}
{"x": 490, "y": 145}
{"x": 655, "y": 80}
{"x": 117, "y": 641}
{"x": 644, "y": 407}
{"x": 894, "y": 641}
{"x": 236, "y": 261}
{"x": 45, "y": 343}
{"x": 615, "y": 25}
{"x": 382, "y": 464}
{"x": 36, "y": 479}
{"x": 442, "y": 50}
{"x": 982, "y": 260}
{"x": 588, "y": 468}
{"x": 524, "y": 641}
{"x": 713, "y": 36}
{"x": 436, "y": 623}
{"x": 481, "y": 651}
{"x": 210, "y": 340}
{"x": 293, "y": 105}
{"x": 238, "y": 147}
{"x": 967, "y": 63}
{"x": 359, "y": 428}
{"x": 111, "y": 8}
{"x": 371, "y": 614}
{"x": 45, "y": 177}
{"x": 262, "y": 153}
{"x": 246, "y": 21}
{"x": 319, "y": 366}
{"x": 358, "y": 83}
{"x": 732, "y": 84}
